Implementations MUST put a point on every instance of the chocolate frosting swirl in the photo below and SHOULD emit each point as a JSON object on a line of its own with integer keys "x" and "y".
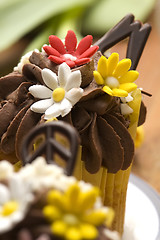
{"x": 103, "y": 130}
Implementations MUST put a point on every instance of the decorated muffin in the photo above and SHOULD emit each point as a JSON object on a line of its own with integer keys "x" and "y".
{"x": 97, "y": 95}
{"x": 42, "y": 202}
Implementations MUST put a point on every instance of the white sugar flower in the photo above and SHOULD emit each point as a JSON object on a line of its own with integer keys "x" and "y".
{"x": 40, "y": 175}
{"x": 14, "y": 202}
{"x": 60, "y": 94}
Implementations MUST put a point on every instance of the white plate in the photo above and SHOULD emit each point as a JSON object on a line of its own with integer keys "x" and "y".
{"x": 142, "y": 220}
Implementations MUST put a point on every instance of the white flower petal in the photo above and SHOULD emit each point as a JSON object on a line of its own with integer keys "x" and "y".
{"x": 4, "y": 194}
{"x": 66, "y": 107}
{"x": 63, "y": 73}
{"x": 40, "y": 91}
{"x": 129, "y": 98}
{"x": 125, "y": 109}
{"x": 74, "y": 95}
{"x": 5, "y": 224}
{"x": 41, "y": 106}
{"x": 53, "y": 111}
{"x": 18, "y": 189}
{"x": 73, "y": 81}
{"x": 6, "y": 169}
{"x": 49, "y": 78}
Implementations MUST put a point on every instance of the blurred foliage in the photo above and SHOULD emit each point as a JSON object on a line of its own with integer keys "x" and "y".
{"x": 37, "y": 19}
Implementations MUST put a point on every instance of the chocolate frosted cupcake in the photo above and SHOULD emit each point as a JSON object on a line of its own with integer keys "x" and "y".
{"x": 42, "y": 202}
{"x": 95, "y": 94}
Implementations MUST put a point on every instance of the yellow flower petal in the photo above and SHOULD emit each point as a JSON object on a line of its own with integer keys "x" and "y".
{"x": 56, "y": 198}
{"x": 72, "y": 196}
{"x": 130, "y": 76}
{"x": 73, "y": 233}
{"x": 99, "y": 79}
{"x": 107, "y": 90}
{"x": 88, "y": 232}
{"x": 129, "y": 87}
{"x": 102, "y": 66}
{"x": 96, "y": 217}
{"x": 119, "y": 92}
{"x": 87, "y": 199}
{"x": 51, "y": 212}
{"x": 59, "y": 228}
{"x": 122, "y": 67}
{"x": 112, "y": 63}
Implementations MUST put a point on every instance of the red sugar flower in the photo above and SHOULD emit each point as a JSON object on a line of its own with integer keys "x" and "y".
{"x": 67, "y": 52}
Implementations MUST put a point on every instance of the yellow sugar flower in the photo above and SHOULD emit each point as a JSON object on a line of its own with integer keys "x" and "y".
{"x": 115, "y": 76}
{"x": 73, "y": 214}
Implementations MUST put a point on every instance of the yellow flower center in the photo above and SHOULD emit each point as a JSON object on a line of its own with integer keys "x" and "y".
{"x": 70, "y": 219}
{"x": 112, "y": 82}
{"x": 9, "y": 208}
{"x": 58, "y": 94}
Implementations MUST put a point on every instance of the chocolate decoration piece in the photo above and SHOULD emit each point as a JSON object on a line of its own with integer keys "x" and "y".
{"x": 50, "y": 146}
{"x": 127, "y": 27}
{"x": 142, "y": 114}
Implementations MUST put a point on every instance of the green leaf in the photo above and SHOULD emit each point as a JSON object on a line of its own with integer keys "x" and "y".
{"x": 107, "y": 13}
{"x": 23, "y": 16}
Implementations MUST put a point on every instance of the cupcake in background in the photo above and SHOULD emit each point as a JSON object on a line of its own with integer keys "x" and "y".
{"x": 41, "y": 202}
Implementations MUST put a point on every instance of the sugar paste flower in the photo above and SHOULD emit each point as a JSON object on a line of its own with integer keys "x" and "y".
{"x": 60, "y": 94}
{"x": 73, "y": 214}
{"x": 14, "y": 202}
{"x": 40, "y": 175}
{"x": 67, "y": 52}
{"x": 115, "y": 76}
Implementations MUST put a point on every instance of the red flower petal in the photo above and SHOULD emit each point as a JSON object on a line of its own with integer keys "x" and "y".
{"x": 84, "y": 44}
{"x": 55, "y": 59}
{"x": 70, "y": 63}
{"x": 51, "y": 51}
{"x": 57, "y": 44}
{"x": 89, "y": 52}
{"x": 70, "y": 41}
{"x": 82, "y": 61}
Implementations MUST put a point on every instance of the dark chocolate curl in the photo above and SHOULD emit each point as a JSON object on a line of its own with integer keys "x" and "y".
{"x": 142, "y": 114}
{"x": 112, "y": 150}
{"x": 127, "y": 27}
{"x": 125, "y": 139}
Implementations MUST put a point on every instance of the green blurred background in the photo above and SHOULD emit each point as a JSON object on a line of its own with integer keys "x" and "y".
{"x": 26, "y": 24}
